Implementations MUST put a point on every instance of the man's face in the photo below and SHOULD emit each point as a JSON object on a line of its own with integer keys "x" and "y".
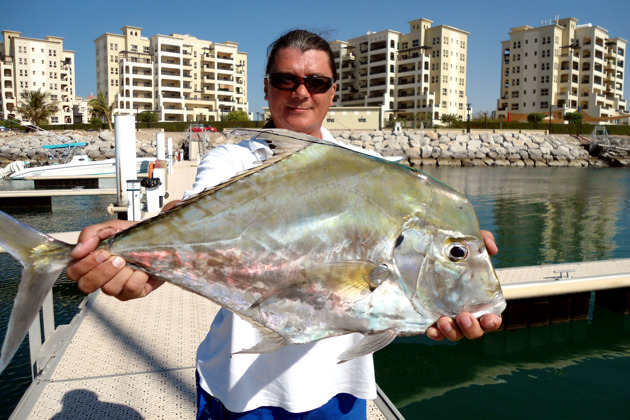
{"x": 300, "y": 110}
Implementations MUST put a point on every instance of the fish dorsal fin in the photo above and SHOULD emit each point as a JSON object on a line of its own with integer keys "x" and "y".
{"x": 368, "y": 345}
{"x": 348, "y": 280}
{"x": 281, "y": 139}
{"x": 265, "y": 164}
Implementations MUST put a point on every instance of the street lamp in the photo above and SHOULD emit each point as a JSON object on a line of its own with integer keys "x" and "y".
{"x": 468, "y": 118}
{"x": 485, "y": 119}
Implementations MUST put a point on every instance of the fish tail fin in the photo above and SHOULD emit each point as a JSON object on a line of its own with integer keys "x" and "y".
{"x": 43, "y": 258}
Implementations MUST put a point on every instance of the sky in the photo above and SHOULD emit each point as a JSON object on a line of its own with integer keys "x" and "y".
{"x": 255, "y": 24}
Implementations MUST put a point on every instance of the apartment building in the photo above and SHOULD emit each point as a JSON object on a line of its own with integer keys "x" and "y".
{"x": 179, "y": 77}
{"x": 420, "y": 75}
{"x": 32, "y": 64}
{"x": 562, "y": 67}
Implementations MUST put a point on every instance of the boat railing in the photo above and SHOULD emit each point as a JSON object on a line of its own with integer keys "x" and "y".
{"x": 63, "y": 152}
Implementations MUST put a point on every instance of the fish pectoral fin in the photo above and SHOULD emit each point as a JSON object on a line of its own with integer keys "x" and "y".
{"x": 348, "y": 278}
{"x": 271, "y": 342}
{"x": 368, "y": 345}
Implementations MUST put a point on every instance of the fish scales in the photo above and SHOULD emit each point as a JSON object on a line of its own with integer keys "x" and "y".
{"x": 319, "y": 241}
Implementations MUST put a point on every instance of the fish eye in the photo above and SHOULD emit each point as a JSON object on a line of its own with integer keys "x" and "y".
{"x": 457, "y": 251}
{"x": 399, "y": 240}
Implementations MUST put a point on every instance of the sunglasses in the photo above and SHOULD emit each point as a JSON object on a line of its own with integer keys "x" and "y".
{"x": 290, "y": 82}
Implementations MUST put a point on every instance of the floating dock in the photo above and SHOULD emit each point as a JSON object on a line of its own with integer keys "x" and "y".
{"x": 43, "y": 198}
{"x": 129, "y": 360}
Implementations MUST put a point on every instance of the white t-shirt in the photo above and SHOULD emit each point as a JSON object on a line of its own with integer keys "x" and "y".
{"x": 297, "y": 377}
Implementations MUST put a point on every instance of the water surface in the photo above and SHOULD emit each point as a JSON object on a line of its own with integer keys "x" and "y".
{"x": 538, "y": 215}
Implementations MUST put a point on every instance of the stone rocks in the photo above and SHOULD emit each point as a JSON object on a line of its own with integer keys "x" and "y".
{"x": 100, "y": 145}
{"x": 483, "y": 149}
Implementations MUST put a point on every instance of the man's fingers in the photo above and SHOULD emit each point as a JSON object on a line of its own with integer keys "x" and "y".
{"x": 90, "y": 237}
{"x": 490, "y": 242}
{"x": 95, "y": 270}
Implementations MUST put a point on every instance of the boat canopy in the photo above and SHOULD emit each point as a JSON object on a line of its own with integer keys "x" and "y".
{"x": 64, "y": 145}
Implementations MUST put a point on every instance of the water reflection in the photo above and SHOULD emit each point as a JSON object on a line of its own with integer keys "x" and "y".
{"x": 548, "y": 215}
{"x": 573, "y": 370}
{"x": 429, "y": 380}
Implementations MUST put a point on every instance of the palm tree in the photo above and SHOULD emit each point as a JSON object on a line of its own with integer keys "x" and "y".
{"x": 36, "y": 107}
{"x": 101, "y": 108}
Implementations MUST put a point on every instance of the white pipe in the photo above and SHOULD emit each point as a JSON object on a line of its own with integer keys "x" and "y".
{"x": 169, "y": 148}
{"x": 125, "y": 141}
{"x": 159, "y": 138}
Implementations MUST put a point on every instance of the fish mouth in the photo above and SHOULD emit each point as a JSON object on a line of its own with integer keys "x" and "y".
{"x": 496, "y": 306}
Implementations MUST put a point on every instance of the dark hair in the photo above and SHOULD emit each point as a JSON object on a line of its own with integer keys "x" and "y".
{"x": 304, "y": 41}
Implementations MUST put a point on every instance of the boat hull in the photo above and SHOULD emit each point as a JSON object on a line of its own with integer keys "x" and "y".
{"x": 78, "y": 169}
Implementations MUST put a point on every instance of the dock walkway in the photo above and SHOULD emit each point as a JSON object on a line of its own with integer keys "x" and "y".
{"x": 132, "y": 360}
{"x": 136, "y": 359}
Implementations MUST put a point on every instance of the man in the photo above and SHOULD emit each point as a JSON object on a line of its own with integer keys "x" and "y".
{"x": 302, "y": 381}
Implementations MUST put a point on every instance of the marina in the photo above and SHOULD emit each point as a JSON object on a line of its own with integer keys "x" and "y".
{"x": 150, "y": 355}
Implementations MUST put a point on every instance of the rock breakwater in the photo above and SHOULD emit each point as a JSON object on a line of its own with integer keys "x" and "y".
{"x": 430, "y": 148}
{"x": 416, "y": 148}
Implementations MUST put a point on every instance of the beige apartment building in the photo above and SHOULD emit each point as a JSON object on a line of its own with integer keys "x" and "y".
{"x": 179, "y": 77}
{"x": 419, "y": 76}
{"x": 562, "y": 67}
{"x": 33, "y": 64}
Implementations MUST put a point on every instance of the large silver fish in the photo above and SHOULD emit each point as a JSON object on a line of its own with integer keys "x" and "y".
{"x": 317, "y": 241}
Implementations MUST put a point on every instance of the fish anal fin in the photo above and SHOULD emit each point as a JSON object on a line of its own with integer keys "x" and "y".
{"x": 368, "y": 345}
{"x": 271, "y": 342}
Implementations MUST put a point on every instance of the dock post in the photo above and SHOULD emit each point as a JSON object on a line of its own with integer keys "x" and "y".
{"x": 134, "y": 211}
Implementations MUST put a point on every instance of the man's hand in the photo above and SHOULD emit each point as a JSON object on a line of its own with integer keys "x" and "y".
{"x": 95, "y": 269}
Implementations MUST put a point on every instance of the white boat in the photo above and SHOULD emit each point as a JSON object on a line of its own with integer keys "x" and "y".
{"x": 79, "y": 166}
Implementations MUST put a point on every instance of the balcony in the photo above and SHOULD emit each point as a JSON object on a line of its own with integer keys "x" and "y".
{"x": 141, "y": 86}
{"x": 170, "y": 73}
{"x": 380, "y": 45}
{"x": 169, "y": 49}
